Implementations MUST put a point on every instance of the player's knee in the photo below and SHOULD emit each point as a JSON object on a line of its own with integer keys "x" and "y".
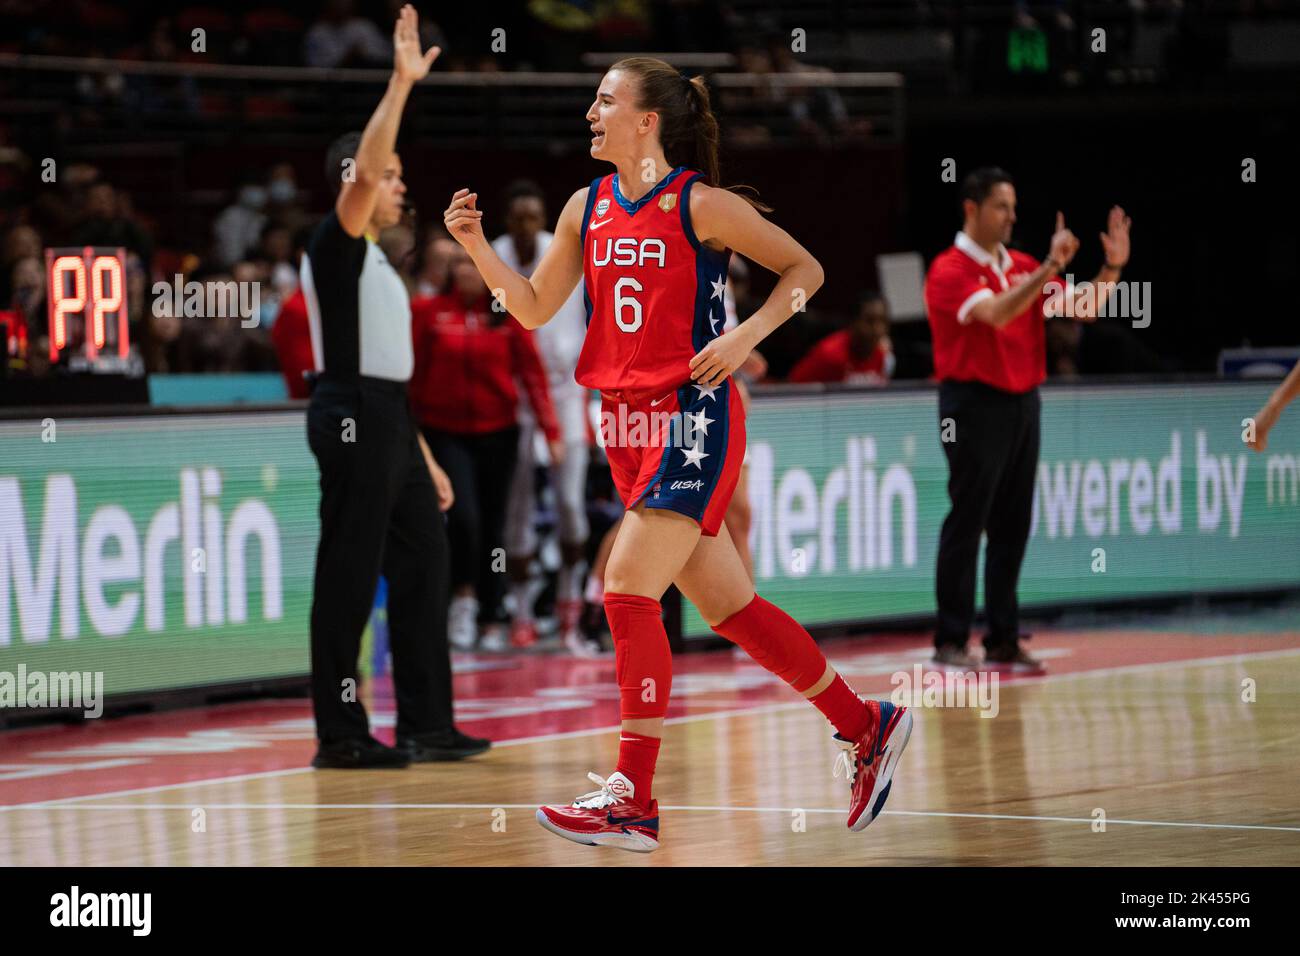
{"x": 619, "y": 578}
{"x": 718, "y": 609}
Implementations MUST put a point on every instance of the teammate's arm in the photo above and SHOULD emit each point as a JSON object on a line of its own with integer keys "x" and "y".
{"x": 723, "y": 219}
{"x": 1001, "y": 309}
{"x": 531, "y": 300}
{"x": 356, "y": 202}
{"x": 1267, "y": 416}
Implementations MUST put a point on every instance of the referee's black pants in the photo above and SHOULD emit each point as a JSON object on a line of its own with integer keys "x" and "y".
{"x": 378, "y": 513}
{"x": 992, "y": 462}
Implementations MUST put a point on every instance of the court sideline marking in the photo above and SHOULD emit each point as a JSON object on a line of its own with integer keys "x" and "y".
{"x": 761, "y": 709}
{"x": 533, "y": 806}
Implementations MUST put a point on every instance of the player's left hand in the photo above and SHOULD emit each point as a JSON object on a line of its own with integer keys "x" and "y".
{"x": 1114, "y": 241}
{"x": 713, "y": 363}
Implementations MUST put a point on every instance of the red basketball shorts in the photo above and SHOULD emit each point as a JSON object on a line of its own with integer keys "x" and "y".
{"x": 681, "y": 450}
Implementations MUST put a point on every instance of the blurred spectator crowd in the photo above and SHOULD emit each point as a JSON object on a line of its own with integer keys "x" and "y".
{"x": 555, "y": 34}
{"x": 252, "y": 241}
{"x": 259, "y": 237}
{"x": 357, "y": 33}
{"x": 262, "y": 217}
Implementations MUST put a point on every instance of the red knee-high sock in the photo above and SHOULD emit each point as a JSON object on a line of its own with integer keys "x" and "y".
{"x": 778, "y": 642}
{"x": 643, "y": 664}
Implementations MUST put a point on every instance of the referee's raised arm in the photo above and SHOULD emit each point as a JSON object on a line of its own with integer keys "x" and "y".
{"x": 361, "y": 174}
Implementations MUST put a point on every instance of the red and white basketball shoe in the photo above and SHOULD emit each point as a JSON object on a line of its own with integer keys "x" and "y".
{"x": 523, "y": 633}
{"x": 869, "y": 761}
{"x": 610, "y": 816}
{"x": 568, "y": 614}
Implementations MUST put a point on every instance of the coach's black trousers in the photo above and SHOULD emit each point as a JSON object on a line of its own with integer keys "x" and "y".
{"x": 378, "y": 512}
{"x": 992, "y": 461}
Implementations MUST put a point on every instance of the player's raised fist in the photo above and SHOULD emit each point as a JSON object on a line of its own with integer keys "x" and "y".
{"x": 463, "y": 220}
{"x": 409, "y": 63}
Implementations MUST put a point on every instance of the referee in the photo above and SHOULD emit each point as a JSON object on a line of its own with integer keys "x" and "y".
{"x": 379, "y": 508}
{"x": 987, "y": 306}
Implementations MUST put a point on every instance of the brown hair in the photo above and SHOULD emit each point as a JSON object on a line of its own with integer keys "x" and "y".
{"x": 688, "y": 130}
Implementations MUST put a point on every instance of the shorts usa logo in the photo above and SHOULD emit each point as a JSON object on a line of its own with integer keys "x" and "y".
{"x": 602, "y": 207}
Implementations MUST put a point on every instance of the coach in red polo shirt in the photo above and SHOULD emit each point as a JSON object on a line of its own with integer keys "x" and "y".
{"x": 987, "y": 306}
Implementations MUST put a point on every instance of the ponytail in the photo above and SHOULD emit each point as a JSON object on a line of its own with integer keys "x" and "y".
{"x": 688, "y": 130}
{"x": 706, "y": 128}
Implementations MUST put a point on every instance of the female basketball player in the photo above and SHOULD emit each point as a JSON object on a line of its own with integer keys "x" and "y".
{"x": 652, "y": 242}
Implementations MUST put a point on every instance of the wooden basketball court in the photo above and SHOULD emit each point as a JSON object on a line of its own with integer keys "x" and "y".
{"x": 1144, "y": 730}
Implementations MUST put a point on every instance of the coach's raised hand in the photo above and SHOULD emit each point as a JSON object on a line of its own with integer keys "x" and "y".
{"x": 1115, "y": 241}
{"x": 1064, "y": 244}
{"x": 409, "y": 64}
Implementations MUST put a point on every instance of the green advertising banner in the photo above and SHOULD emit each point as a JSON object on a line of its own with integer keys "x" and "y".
{"x": 1141, "y": 491}
{"x": 173, "y": 551}
{"x": 164, "y": 551}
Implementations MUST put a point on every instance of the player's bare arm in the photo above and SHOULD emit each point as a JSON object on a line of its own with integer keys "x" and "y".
{"x": 531, "y": 300}
{"x": 375, "y": 158}
{"x": 724, "y": 220}
{"x": 1001, "y": 309}
{"x": 1267, "y": 416}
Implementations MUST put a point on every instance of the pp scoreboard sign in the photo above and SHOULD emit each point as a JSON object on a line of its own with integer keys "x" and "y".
{"x": 86, "y": 296}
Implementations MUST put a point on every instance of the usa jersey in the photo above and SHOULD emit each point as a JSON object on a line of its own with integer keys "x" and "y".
{"x": 653, "y": 291}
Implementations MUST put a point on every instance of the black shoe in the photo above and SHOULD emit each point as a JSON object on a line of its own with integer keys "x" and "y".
{"x": 954, "y": 657}
{"x": 1014, "y": 658}
{"x": 364, "y": 753}
{"x": 440, "y": 745}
